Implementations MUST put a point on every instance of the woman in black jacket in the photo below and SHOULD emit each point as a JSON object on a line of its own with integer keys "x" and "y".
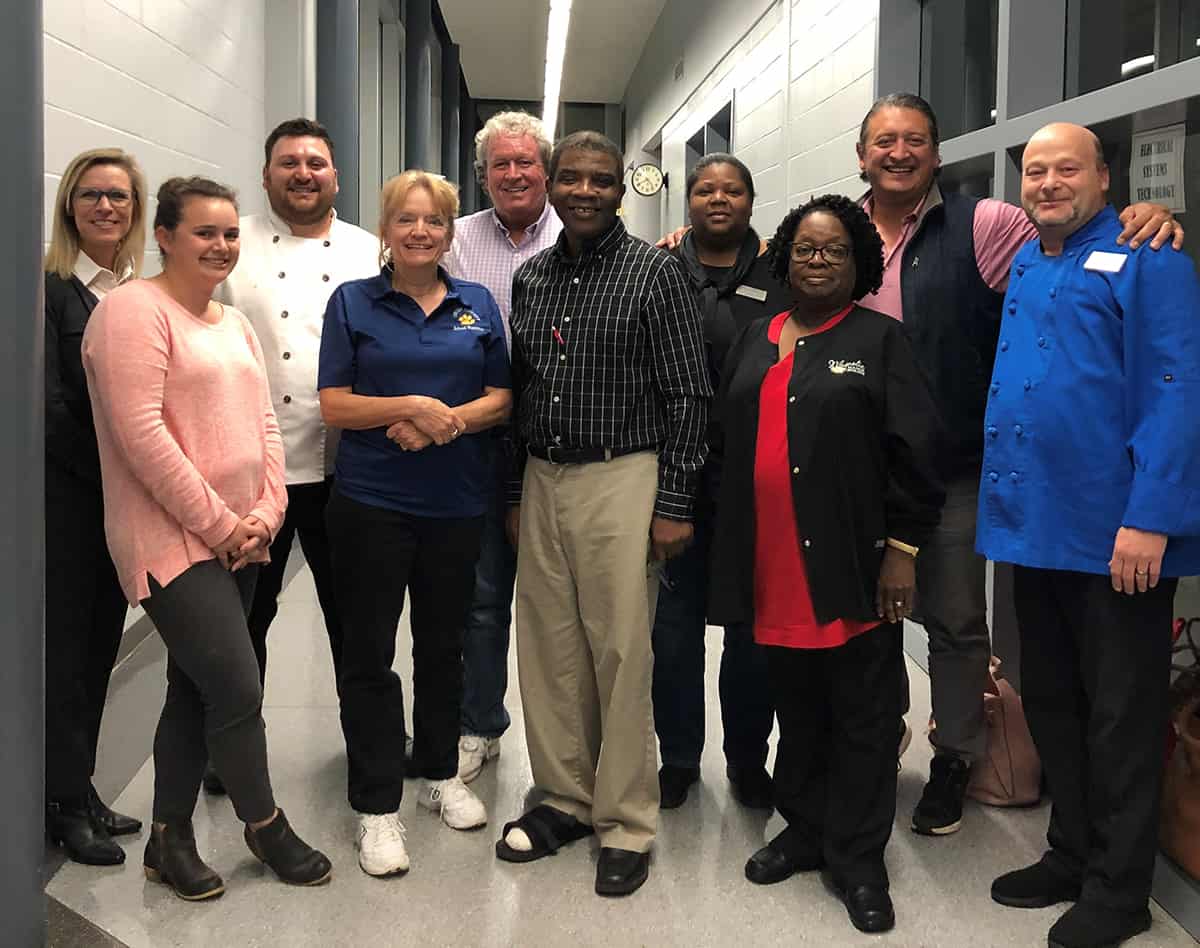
{"x": 96, "y": 243}
{"x": 828, "y": 489}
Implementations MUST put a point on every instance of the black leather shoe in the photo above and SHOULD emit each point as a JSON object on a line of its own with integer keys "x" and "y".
{"x": 1034, "y": 887}
{"x": 621, "y": 872}
{"x": 76, "y": 829}
{"x": 673, "y": 783}
{"x": 171, "y": 858}
{"x": 773, "y": 864}
{"x": 752, "y": 787}
{"x": 1091, "y": 925}
{"x": 869, "y": 907}
{"x": 213, "y": 784}
{"x": 292, "y": 859}
{"x": 117, "y": 824}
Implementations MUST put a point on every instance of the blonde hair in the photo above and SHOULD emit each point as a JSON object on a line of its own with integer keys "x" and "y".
{"x": 443, "y": 193}
{"x": 64, "y": 234}
{"x": 510, "y": 123}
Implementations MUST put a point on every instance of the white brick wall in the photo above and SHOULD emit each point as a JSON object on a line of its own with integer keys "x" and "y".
{"x": 179, "y": 83}
{"x": 798, "y": 98}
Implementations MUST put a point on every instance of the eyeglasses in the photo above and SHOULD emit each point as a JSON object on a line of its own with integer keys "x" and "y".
{"x": 90, "y": 197}
{"x": 409, "y": 221}
{"x": 832, "y": 254}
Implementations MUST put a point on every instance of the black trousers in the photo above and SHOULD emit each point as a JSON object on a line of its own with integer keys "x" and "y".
{"x": 835, "y": 767}
{"x": 377, "y": 554}
{"x": 214, "y": 698}
{"x": 85, "y": 618}
{"x": 1095, "y": 666}
{"x": 305, "y": 517}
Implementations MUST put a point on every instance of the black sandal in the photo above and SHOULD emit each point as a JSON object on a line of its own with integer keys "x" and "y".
{"x": 547, "y": 828}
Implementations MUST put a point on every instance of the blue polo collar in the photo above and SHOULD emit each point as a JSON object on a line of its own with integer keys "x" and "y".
{"x": 380, "y": 287}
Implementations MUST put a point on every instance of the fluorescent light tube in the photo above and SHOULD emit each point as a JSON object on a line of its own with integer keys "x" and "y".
{"x": 556, "y": 50}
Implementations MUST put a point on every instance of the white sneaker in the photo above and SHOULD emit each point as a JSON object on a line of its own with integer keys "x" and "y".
{"x": 381, "y": 850}
{"x": 460, "y": 808}
{"x": 473, "y": 753}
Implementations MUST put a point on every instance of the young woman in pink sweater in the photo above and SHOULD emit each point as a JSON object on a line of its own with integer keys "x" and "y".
{"x": 192, "y": 466}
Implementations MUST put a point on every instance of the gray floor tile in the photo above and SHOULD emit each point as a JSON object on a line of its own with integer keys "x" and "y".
{"x": 458, "y": 894}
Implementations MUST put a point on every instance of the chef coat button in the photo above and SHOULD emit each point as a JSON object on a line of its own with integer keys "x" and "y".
{"x": 807, "y": 544}
{"x": 1041, "y": 342}
{"x": 325, "y": 243}
{"x": 1053, "y": 292}
{"x": 1012, "y": 308}
{"x": 275, "y": 239}
{"x": 1014, "y": 476}
{"x": 284, "y": 314}
{"x": 325, "y": 277}
{"x": 1004, "y": 346}
{"x": 993, "y": 431}
{"x": 1028, "y": 385}
{"x": 791, "y": 398}
{"x": 993, "y": 477}
{"x": 795, "y": 470}
{"x": 995, "y": 388}
{"x": 287, "y": 355}
{"x": 287, "y": 399}
{"x": 282, "y": 274}
{"x": 1018, "y": 430}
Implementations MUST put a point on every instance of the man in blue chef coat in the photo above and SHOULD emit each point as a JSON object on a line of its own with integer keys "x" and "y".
{"x": 1091, "y": 487}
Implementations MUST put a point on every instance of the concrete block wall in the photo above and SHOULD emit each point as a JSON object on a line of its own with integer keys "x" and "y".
{"x": 179, "y": 83}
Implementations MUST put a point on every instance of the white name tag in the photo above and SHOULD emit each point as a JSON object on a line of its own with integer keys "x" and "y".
{"x": 752, "y": 292}
{"x": 1106, "y": 262}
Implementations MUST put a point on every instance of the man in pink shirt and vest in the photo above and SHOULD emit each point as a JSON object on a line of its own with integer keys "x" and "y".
{"x": 512, "y": 152}
{"x": 946, "y": 263}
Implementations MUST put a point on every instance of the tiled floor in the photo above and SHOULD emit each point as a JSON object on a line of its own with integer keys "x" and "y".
{"x": 459, "y": 894}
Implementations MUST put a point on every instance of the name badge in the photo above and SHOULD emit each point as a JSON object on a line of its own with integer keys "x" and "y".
{"x": 1106, "y": 262}
{"x": 751, "y": 292}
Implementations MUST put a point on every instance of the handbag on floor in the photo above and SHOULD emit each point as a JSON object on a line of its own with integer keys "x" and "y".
{"x": 1010, "y": 772}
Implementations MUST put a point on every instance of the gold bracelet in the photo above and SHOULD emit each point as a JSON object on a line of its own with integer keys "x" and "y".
{"x": 902, "y": 546}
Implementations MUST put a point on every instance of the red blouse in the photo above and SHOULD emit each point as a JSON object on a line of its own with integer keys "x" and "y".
{"x": 783, "y": 609}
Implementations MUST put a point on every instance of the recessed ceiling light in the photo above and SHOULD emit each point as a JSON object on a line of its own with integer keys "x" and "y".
{"x": 556, "y": 50}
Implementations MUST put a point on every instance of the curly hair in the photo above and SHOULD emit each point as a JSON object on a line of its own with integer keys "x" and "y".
{"x": 865, "y": 241}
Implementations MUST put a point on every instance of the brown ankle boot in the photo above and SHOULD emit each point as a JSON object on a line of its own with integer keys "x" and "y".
{"x": 171, "y": 859}
{"x": 292, "y": 859}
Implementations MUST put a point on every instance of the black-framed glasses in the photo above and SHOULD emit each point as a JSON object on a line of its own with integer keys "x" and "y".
{"x": 90, "y": 197}
{"x": 833, "y": 254}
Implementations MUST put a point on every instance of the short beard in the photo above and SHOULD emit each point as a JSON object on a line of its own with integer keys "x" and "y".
{"x": 301, "y": 218}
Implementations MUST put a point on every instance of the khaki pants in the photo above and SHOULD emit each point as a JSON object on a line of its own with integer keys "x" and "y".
{"x": 585, "y": 608}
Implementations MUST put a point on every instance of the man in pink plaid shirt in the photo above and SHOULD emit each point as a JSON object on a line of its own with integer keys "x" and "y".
{"x": 512, "y": 153}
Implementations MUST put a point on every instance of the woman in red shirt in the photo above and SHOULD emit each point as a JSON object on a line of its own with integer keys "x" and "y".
{"x": 829, "y": 488}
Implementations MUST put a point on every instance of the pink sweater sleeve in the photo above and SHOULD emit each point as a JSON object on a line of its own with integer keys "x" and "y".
{"x": 129, "y": 351}
{"x": 272, "y": 504}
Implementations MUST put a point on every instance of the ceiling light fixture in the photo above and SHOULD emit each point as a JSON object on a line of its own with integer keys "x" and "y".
{"x": 1135, "y": 65}
{"x": 556, "y": 51}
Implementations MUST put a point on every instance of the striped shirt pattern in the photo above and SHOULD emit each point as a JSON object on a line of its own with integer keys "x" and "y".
{"x": 608, "y": 352}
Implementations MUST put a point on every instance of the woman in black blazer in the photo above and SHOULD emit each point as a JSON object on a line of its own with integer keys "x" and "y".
{"x": 829, "y": 487}
{"x": 96, "y": 244}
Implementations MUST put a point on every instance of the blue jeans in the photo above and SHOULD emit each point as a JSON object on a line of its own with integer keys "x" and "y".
{"x": 747, "y": 712}
{"x": 485, "y": 639}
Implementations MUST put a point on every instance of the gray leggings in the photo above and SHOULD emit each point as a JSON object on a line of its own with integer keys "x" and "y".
{"x": 214, "y": 698}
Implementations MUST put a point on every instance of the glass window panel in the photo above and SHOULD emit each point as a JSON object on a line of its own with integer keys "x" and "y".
{"x": 1109, "y": 41}
{"x": 958, "y": 74}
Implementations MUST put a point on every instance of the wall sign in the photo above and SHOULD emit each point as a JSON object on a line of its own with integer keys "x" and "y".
{"x": 1156, "y": 167}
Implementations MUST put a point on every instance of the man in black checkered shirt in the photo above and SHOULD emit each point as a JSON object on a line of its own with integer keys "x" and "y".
{"x": 612, "y": 392}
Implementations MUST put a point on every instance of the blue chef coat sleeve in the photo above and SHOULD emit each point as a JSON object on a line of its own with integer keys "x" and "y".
{"x": 1159, "y": 296}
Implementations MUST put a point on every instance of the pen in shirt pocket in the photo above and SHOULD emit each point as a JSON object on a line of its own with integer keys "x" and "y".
{"x": 557, "y": 335}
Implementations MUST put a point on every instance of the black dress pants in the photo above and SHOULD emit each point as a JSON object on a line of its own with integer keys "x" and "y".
{"x": 1095, "y": 666}
{"x": 835, "y": 767}
{"x": 377, "y": 554}
{"x": 305, "y": 517}
{"x": 85, "y": 618}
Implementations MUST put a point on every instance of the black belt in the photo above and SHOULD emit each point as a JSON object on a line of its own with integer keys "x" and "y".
{"x": 559, "y": 455}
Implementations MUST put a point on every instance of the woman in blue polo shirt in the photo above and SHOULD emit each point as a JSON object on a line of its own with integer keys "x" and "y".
{"x": 414, "y": 370}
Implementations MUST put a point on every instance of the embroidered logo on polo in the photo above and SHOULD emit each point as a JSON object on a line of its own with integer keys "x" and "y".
{"x": 468, "y": 321}
{"x": 840, "y": 367}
